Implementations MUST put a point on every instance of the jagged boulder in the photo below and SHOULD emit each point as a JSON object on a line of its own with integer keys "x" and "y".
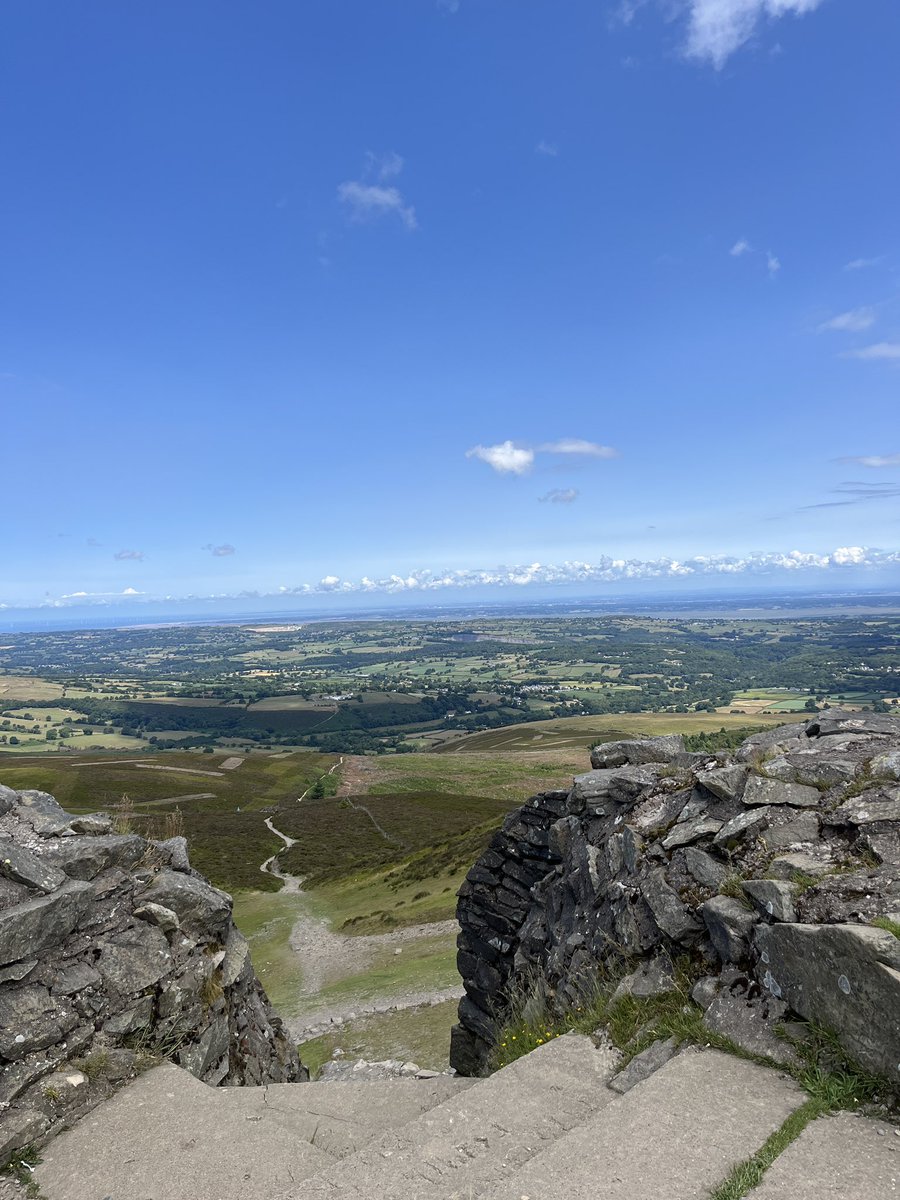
{"x": 113, "y": 953}
{"x": 747, "y": 863}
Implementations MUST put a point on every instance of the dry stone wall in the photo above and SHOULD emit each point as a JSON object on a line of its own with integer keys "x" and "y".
{"x": 770, "y": 866}
{"x": 113, "y": 952}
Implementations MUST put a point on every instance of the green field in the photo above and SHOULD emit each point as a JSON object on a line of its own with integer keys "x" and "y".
{"x": 580, "y": 733}
{"x": 420, "y": 1035}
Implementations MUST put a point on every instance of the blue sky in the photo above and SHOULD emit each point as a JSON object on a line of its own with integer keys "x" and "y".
{"x": 429, "y": 296}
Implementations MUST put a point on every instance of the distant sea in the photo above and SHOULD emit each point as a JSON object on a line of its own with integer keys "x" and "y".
{"x": 722, "y": 605}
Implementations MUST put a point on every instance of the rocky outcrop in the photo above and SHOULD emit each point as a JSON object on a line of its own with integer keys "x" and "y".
{"x": 769, "y": 867}
{"x": 114, "y": 953}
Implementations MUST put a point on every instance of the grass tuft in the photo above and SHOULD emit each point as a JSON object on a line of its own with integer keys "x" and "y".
{"x": 20, "y": 1167}
{"x": 748, "y": 1174}
{"x": 887, "y": 924}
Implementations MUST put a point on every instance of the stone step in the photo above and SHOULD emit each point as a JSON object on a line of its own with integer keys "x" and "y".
{"x": 676, "y": 1135}
{"x": 842, "y": 1157}
{"x": 473, "y": 1141}
{"x": 167, "y": 1136}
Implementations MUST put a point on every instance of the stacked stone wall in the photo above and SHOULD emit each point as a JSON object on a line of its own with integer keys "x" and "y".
{"x": 771, "y": 867}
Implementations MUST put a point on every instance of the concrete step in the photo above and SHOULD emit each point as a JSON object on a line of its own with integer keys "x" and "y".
{"x": 843, "y": 1157}
{"x": 169, "y": 1137}
{"x": 472, "y": 1142}
{"x": 676, "y": 1135}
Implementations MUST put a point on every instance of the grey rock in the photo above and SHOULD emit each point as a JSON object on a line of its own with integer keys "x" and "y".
{"x": 873, "y": 806}
{"x": 33, "y": 926}
{"x": 653, "y": 978}
{"x": 845, "y": 977}
{"x": 670, "y": 914}
{"x": 76, "y": 977}
{"x": 30, "y": 1019}
{"x": 657, "y": 811}
{"x": 176, "y": 851}
{"x": 648, "y": 750}
{"x": 772, "y": 898}
{"x": 855, "y": 896}
{"x": 21, "y": 1127}
{"x": 799, "y": 828}
{"x": 727, "y": 783}
{"x": 730, "y": 925}
{"x": 592, "y": 785}
{"x": 22, "y": 866}
{"x": 86, "y": 857}
{"x": 708, "y": 871}
{"x": 42, "y": 813}
{"x": 131, "y": 1020}
{"x": 92, "y": 823}
{"x": 705, "y": 991}
{"x": 762, "y": 790}
{"x": 237, "y": 958}
{"x": 205, "y": 1053}
{"x": 17, "y": 971}
{"x": 813, "y": 768}
{"x": 643, "y": 1065}
{"x": 772, "y": 741}
{"x": 748, "y": 1020}
{"x": 886, "y": 766}
{"x": 835, "y": 721}
{"x": 686, "y": 832}
{"x": 747, "y": 825}
{"x": 8, "y": 799}
{"x": 786, "y": 866}
{"x": 134, "y": 959}
{"x": 157, "y": 914}
{"x": 198, "y": 905}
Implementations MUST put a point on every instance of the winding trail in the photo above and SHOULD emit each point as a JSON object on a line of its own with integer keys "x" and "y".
{"x": 327, "y": 957}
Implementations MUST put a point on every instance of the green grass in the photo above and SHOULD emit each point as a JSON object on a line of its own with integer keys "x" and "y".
{"x": 426, "y": 965}
{"x": 887, "y": 924}
{"x": 746, "y": 1175}
{"x": 20, "y": 1166}
{"x": 420, "y": 1035}
{"x": 266, "y": 921}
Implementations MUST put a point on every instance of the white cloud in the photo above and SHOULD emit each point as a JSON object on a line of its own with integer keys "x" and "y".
{"x": 449, "y": 6}
{"x": 384, "y": 166}
{"x": 123, "y": 555}
{"x": 860, "y": 264}
{"x": 548, "y": 149}
{"x": 853, "y": 321}
{"x": 129, "y": 591}
{"x": 889, "y": 351}
{"x": 873, "y": 461}
{"x": 559, "y": 496}
{"x": 506, "y": 457}
{"x": 743, "y": 247}
{"x": 579, "y": 446}
{"x": 609, "y": 570}
{"x": 509, "y": 458}
{"x": 716, "y": 28}
{"x": 223, "y": 551}
{"x": 369, "y": 201}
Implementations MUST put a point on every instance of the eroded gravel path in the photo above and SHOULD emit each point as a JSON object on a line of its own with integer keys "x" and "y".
{"x": 328, "y": 957}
